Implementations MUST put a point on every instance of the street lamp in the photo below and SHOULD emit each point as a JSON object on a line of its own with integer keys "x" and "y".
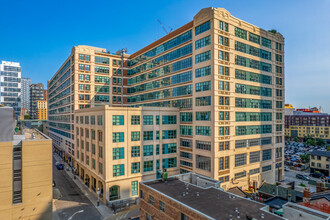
{"x": 98, "y": 196}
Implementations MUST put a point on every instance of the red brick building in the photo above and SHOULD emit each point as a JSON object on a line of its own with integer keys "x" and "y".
{"x": 192, "y": 196}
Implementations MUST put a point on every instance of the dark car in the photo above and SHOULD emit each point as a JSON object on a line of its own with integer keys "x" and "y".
{"x": 302, "y": 177}
{"x": 60, "y": 166}
{"x": 317, "y": 175}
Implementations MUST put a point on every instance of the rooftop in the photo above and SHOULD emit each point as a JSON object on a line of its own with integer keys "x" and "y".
{"x": 211, "y": 201}
{"x": 32, "y": 134}
{"x": 276, "y": 202}
{"x": 310, "y": 211}
{"x": 320, "y": 195}
{"x": 320, "y": 153}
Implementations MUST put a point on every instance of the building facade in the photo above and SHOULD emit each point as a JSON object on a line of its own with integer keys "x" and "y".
{"x": 231, "y": 93}
{"x": 118, "y": 147}
{"x": 306, "y": 123}
{"x": 320, "y": 162}
{"x": 225, "y": 75}
{"x": 25, "y": 97}
{"x": 36, "y": 94}
{"x": 89, "y": 77}
{"x": 42, "y": 110}
{"x": 26, "y": 171}
{"x": 10, "y": 85}
{"x": 45, "y": 94}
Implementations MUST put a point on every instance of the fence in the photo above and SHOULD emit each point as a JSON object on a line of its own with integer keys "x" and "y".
{"x": 120, "y": 205}
{"x": 313, "y": 182}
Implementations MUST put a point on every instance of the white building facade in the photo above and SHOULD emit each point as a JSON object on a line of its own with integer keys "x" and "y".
{"x": 25, "y": 97}
{"x": 10, "y": 85}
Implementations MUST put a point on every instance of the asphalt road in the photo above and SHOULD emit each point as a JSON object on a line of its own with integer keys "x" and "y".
{"x": 68, "y": 199}
{"x": 291, "y": 176}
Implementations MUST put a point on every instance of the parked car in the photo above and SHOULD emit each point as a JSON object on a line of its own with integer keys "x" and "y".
{"x": 57, "y": 163}
{"x": 317, "y": 175}
{"x": 286, "y": 168}
{"x": 302, "y": 177}
{"x": 60, "y": 166}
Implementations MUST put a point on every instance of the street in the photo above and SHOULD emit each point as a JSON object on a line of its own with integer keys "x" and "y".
{"x": 291, "y": 176}
{"x": 69, "y": 199}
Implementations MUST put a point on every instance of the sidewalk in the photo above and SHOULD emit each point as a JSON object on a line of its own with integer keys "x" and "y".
{"x": 128, "y": 213}
{"x": 103, "y": 209}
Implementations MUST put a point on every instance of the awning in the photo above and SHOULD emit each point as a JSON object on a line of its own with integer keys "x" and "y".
{"x": 279, "y": 212}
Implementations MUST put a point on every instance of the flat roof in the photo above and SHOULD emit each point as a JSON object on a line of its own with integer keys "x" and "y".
{"x": 32, "y": 134}
{"x": 211, "y": 201}
{"x": 307, "y": 210}
{"x": 320, "y": 153}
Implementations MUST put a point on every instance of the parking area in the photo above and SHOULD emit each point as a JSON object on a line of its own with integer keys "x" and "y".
{"x": 297, "y": 155}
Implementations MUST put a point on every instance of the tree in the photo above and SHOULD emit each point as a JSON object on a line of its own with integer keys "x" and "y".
{"x": 26, "y": 116}
{"x": 273, "y": 31}
{"x": 305, "y": 138}
{"x": 287, "y": 137}
{"x": 296, "y": 139}
{"x": 311, "y": 142}
{"x": 328, "y": 148}
{"x": 320, "y": 142}
{"x": 305, "y": 158}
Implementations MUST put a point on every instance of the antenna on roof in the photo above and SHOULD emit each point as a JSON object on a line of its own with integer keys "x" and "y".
{"x": 167, "y": 32}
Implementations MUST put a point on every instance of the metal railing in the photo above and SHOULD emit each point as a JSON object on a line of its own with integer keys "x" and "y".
{"x": 120, "y": 205}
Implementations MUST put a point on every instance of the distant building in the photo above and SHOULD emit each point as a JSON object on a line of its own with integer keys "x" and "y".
{"x": 25, "y": 97}
{"x": 26, "y": 171}
{"x": 289, "y": 109}
{"x": 10, "y": 85}
{"x": 307, "y": 123}
{"x": 192, "y": 196}
{"x": 42, "y": 110}
{"x": 45, "y": 94}
{"x": 24, "y": 112}
{"x": 36, "y": 94}
{"x": 320, "y": 161}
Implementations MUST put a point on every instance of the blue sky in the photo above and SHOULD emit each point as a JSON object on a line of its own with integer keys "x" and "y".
{"x": 40, "y": 34}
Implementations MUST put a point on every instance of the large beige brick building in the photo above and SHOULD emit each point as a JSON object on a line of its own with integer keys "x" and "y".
{"x": 84, "y": 80}
{"x": 117, "y": 147}
{"x": 225, "y": 77}
{"x": 26, "y": 172}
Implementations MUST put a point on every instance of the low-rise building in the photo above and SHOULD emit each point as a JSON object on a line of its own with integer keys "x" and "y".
{"x": 294, "y": 211}
{"x": 320, "y": 162}
{"x": 25, "y": 170}
{"x": 117, "y": 147}
{"x": 319, "y": 201}
{"x": 192, "y": 196}
{"x": 309, "y": 123}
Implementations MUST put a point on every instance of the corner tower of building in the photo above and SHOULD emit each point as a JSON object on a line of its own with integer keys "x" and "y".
{"x": 227, "y": 76}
